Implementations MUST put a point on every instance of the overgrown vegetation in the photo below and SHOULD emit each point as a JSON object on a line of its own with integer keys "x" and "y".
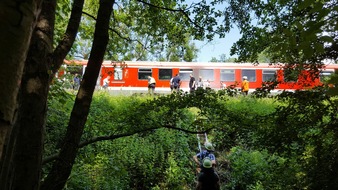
{"x": 283, "y": 142}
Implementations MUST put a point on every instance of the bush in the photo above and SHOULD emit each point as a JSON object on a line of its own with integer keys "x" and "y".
{"x": 257, "y": 170}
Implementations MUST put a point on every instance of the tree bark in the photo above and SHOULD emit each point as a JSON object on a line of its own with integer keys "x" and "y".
{"x": 22, "y": 167}
{"x": 65, "y": 45}
{"x": 61, "y": 169}
{"x": 28, "y": 132}
{"x": 17, "y": 20}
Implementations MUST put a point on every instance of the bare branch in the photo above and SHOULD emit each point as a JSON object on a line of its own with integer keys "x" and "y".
{"x": 89, "y": 15}
{"x": 158, "y": 7}
{"x": 174, "y": 10}
{"x": 113, "y": 137}
{"x": 187, "y": 131}
{"x": 69, "y": 36}
{"x": 117, "y": 33}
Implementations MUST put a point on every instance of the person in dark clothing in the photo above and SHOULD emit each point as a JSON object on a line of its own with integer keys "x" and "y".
{"x": 208, "y": 178}
{"x": 177, "y": 82}
{"x": 192, "y": 83}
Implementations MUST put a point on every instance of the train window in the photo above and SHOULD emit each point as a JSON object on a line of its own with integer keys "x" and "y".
{"x": 185, "y": 74}
{"x": 251, "y": 74}
{"x": 291, "y": 75}
{"x": 324, "y": 75}
{"x": 165, "y": 74}
{"x": 207, "y": 74}
{"x": 144, "y": 73}
{"x": 227, "y": 75}
{"x": 117, "y": 73}
{"x": 269, "y": 75}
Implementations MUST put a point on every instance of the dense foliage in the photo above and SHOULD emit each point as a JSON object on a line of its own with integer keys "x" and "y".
{"x": 261, "y": 143}
{"x": 288, "y": 31}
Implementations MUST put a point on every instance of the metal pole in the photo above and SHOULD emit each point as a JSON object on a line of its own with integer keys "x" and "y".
{"x": 206, "y": 137}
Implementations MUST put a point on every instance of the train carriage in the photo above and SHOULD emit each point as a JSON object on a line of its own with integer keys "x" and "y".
{"x": 130, "y": 74}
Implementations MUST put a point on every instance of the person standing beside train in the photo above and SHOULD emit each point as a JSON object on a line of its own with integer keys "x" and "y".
{"x": 177, "y": 82}
{"x": 223, "y": 85}
{"x": 171, "y": 83}
{"x": 151, "y": 85}
{"x": 192, "y": 83}
{"x": 207, "y": 85}
{"x": 200, "y": 82}
{"x": 106, "y": 82}
{"x": 245, "y": 86}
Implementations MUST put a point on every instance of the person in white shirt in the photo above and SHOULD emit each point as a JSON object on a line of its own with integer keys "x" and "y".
{"x": 151, "y": 85}
{"x": 106, "y": 82}
{"x": 200, "y": 82}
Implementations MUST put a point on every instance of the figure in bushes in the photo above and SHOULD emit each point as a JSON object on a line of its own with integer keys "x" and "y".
{"x": 207, "y": 178}
{"x": 245, "y": 86}
{"x": 207, "y": 153}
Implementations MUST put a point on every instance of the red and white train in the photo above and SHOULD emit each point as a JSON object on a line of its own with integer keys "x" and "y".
{"x": 133, "y": 75}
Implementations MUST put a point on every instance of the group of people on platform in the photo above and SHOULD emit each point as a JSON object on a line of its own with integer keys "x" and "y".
{"x": 193, "y": 84}
{"x": 175, "y": 84}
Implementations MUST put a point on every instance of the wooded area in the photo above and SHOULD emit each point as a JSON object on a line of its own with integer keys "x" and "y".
{"x": 38, "y": 35}
{"x": 138, "y": 142}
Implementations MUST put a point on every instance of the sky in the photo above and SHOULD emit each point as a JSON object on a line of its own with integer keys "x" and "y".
{"x": 217, "y": 47}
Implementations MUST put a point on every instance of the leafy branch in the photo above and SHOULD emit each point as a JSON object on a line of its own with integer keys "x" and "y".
{"x": 116, "y": 32}
{"x": 113, "y": 137}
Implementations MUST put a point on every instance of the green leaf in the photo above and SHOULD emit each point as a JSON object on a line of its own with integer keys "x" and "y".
{"x": 328, "y": 39}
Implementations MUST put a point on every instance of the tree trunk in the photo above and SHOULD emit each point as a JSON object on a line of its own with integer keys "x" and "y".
{"x": 27, "y": 138}
{"x": 65, "y": 45}
{"x": 22, "y": 167}
{"x": 17, "y": 21}
{"x": 61, "y": 169}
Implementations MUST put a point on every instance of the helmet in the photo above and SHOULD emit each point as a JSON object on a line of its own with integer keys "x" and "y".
{"x": 209, "y": 146}
{"x": 207, "y": 163}
{"x": 245, "y": 77}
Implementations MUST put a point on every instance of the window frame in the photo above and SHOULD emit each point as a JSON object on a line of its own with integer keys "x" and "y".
{"x": 292, "y": 71}
{"x": 144, "y": 72}
{"x": 322, "y": 75}
{"x": 249, "y": 76}
{"x": 224, "y": 78}
{"x": 185, "y": 74}
{"x": 206, "y": 76}
{"x": 269, "y": 70}
{"x": 160, "y": 71}
{"x": 117, "y": 71}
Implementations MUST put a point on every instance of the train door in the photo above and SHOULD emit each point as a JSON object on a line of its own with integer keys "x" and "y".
{"x": 208, "y": 77}
{"x": 185, "y": 77}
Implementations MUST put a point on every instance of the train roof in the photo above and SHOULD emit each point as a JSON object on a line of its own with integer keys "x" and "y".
{"x": 188, "y": 65}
